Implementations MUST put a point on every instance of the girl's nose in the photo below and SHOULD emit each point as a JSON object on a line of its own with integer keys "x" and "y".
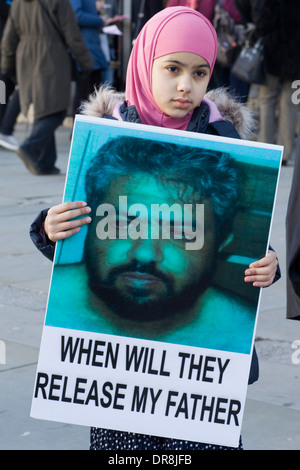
{"x": 184, "y": 83}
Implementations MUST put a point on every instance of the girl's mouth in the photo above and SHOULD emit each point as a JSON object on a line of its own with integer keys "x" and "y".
{"x": 182, "y": 103}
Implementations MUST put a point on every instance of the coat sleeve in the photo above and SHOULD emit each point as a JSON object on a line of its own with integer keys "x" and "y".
{"x": 278, "y": 271}
{"x": 269, "y": 18}
{"x": 9, "y": 43}
{"x": 85, "y": 18}
{"x": 68, "y": 25}
{"x": 39, "y": 237}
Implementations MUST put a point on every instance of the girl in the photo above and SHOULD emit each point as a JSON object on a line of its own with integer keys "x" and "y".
{"x": 168, "y": 73}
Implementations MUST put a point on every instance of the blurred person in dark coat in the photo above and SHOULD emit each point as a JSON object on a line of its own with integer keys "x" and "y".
{"x": 142, "y": 11}
{"x": 249, "y": 10}
{"x": 34, "y": 51}
{"x": 90, "y": 24}
{"x": 293, "y": 243}
{"x": 9, "y": 103}
{"x": 279, "y": 26}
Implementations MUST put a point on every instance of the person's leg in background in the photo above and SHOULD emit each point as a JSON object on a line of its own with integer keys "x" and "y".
{"x": 85, "y": 86}
{"x": 239, "y": 88}
{"x": 8, "y": 118}
{"x": 9, "y": 86}
{"x": 38, "y": 151}
{"x": 268, "y": 99}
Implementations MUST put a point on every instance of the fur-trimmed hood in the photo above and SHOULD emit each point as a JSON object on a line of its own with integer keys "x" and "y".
{"x": 104, "y": 101}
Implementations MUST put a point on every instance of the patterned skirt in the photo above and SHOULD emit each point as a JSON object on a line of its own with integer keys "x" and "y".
{"x": 107, "y": 439}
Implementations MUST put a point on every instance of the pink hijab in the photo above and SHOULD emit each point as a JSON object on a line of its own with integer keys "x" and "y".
{"x": 174, "y": 29}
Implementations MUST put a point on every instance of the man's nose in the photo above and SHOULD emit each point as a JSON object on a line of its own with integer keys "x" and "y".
{"x": 147, "y": 250}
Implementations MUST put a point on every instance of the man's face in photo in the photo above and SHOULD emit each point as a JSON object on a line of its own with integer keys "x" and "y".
{"x": 149, "y": 278}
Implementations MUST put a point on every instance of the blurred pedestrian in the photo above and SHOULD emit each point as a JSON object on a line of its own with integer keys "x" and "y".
{"x": 249, "y": 10}
{"x": 293, "y": 243}
{"x": 8, "y": 121}
{"x": 222, "y": 74}
{"x": 32, "y": 46}
{"x": 142, "y": 11}
{"x": 108, "y": 72}
{"x": 10, "y": 109}
{"x": 107, "y": 40}
{"x": 279, "y": 25}
{"x": 90, "y": 23}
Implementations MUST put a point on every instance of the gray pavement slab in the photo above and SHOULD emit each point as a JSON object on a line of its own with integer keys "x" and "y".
{"x": 270, "y": 427}
{"x": 271, "y": 419}
{"x": 19, "y": 431}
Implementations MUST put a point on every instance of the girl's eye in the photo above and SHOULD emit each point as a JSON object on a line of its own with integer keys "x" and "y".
{"x": 200, "y": 73}
{"x": 172, "y": 68}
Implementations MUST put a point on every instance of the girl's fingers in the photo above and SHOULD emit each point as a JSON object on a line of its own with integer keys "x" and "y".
{"x": 254, "y": 272}
{"x": 262, "y": 276}
{"x": 72, "y": 224}
{"x": 267, "y": 260}
{"x": 66, "y": 230}
{"x": 66, "y": 206}
{"x": 64, "y": 220}
{"x": 67, "y": 211}
{"x": 66, "y": 234}
{"x": 71, "y": 214}
{"x": 262, "y": 272}
{"x": 259, "y": 278}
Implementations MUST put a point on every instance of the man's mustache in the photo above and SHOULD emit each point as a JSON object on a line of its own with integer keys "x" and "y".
{"x": 140, "y": 268}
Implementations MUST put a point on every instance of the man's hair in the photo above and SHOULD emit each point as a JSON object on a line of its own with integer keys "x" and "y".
{"x": 213, "y": 175}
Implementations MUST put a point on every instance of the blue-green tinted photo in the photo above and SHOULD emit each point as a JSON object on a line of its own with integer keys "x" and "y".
{"x": 117, "y": 277}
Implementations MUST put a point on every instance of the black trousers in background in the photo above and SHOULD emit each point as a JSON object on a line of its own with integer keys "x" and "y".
{"x": 39, "y": 147}
{"x": 9, "y": 111}
{"x": 85, "y": 86}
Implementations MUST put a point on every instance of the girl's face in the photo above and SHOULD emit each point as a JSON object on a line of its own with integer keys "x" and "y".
{"x": 179, "y": 82}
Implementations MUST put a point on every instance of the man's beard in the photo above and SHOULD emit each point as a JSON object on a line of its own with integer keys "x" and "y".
{"x": 136, "y": 303}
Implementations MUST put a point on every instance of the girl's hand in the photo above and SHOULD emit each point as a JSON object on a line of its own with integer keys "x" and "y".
{"x": 60, "y": 223}
{"x": 261, "y": 273}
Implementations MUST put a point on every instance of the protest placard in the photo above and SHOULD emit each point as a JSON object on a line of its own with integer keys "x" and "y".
{"x": 149, "y": 325}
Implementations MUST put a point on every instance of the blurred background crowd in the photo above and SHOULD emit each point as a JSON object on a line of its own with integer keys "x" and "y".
{"x": 97, "y": 36}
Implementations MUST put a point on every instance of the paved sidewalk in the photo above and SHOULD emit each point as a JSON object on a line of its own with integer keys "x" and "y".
{"x": 272, "y": 416}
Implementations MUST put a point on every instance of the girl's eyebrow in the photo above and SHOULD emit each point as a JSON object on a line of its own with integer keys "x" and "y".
{"x": 178, "y": 62}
